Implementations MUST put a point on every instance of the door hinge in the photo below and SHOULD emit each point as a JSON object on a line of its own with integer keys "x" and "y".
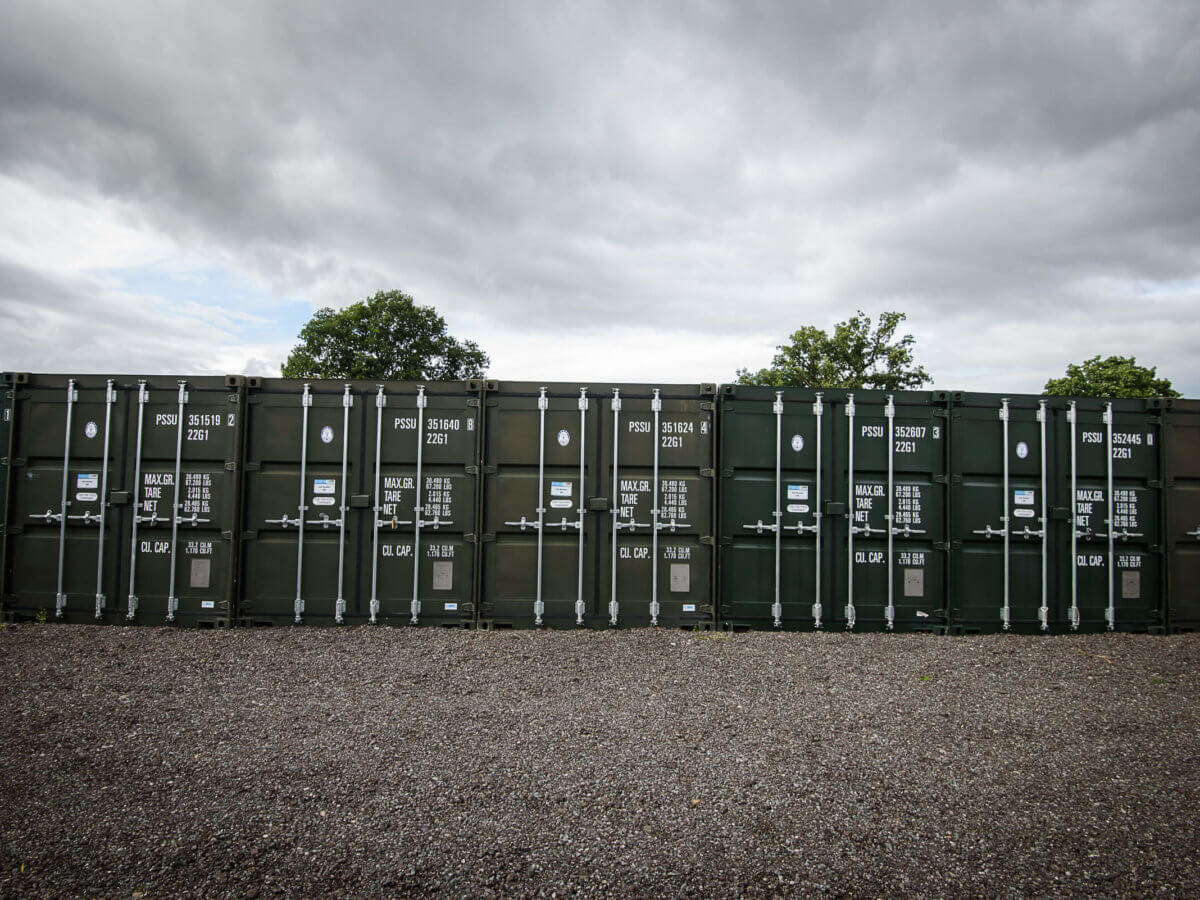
{"x": 941, "y": 413}
{"x": 471, "y": 538}
{"x": 471, "y": 470}
{"x": 251, "y": 467}
{"x": 707, "y": 406}
{"x": 707, "y": 540}
{"x": 249, "y": 535}
{"x": 13, "y": 462}
{"x": 706, "y": 473}
{"x": 727, "y": 473}
{"x": 1154, "y": 483}
{"x": 227, "y": 535}
{"x": 726, "y": 540}
{"x": 489, "y": 470}
{"x": 487, "y": 538}
{"x": 473, "y": 403}
{"x": 231, "y": 465}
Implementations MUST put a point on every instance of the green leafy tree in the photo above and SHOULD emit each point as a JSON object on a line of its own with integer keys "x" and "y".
{"x": 853, "y": 356}
{"x": 386, "y": 338}
{"x": 1117, "y": 376}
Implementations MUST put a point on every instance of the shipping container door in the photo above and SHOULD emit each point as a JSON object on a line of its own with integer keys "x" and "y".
{"x": 7, "y": 396}
{"x": 1112, "y": 577}
{"x": 891, "y": 474}
{"x": 542, "y": 452}
{"x": 999, "y": 566}
{"x": 657, "y": 559}
{"x": 61, "y": 560}
{"x": 303, "y": 464}
{"x": 418, "y": 552}
{"x": 773, "y": 459}
{"x": 1183, "y": 513}
{"x": 178, "y": 543}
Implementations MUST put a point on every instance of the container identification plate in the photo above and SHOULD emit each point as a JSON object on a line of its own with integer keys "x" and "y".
{"x": 560, "y": 489}
{"x": 324, "y": 486}
{"x": 560, "y": 504}
{"x": 84, "y": 482}
{"x": 797, "y": 491}
{"x": 1023, "y": 498}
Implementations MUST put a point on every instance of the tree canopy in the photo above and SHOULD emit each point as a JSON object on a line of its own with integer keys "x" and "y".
{"x": 386, "y": 337}
{"x": 853, "y": 356}
{"x": 1116, "y": 376}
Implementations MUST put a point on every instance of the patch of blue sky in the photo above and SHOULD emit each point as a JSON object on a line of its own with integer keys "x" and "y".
{"x": 214, "y": 294}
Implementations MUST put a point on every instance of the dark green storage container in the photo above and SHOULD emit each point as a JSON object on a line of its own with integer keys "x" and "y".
{"x": 1033, "y": 549}
{"x": 1182, "y": 539}
{"x": 123, "y": 499}
{"x": 7, "y": 395}
{"x": 833, "y": 509}
{"x": 360, "y": 502}
{"x": 598, "y": 505}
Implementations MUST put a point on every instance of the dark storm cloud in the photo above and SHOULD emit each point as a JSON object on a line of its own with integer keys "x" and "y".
{"x": 718, "y": 169}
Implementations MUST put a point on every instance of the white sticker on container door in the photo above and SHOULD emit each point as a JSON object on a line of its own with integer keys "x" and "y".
{"x": 84, "y": 482}
{"x": 797, "y": 491}
{"x": 1023, "y": 498}
{"x": 560, "y": 489}
{"x": 324, "y": 486}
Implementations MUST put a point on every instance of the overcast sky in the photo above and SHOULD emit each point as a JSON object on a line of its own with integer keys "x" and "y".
{"x": 657, "y": 192}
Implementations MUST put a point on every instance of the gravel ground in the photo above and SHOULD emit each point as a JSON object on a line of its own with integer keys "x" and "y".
{"x": 151, "y": 762}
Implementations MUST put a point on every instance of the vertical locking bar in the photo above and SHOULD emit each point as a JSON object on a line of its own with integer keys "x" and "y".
{"x": 143, "y": 399}
{"x": 1110, "y": 614}
{"x": 583, "y": 405}
{"x": 305, "y": 403}
{"x": 539, "y": 608}
{"x": 850, "y": 612}
{"x": 777, "y": 408}
{"x": 1044, "y": 611}
{"x": 889, "y": 614}
{"x": 1006, "y": 609}
{"x": 339, "y": 613}
{"x": 110, "y": 397}
{"x": 656, "y": 406}
{"x": 60, "y": 598}
{"x": 1072, "y": 415}
{"x": 818, "y": 413}
{"x": 176, "y": 506}
{"x": 415, "y": 604}
{"x": 616, "y": 504}
{"x": 380, "y": 403}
